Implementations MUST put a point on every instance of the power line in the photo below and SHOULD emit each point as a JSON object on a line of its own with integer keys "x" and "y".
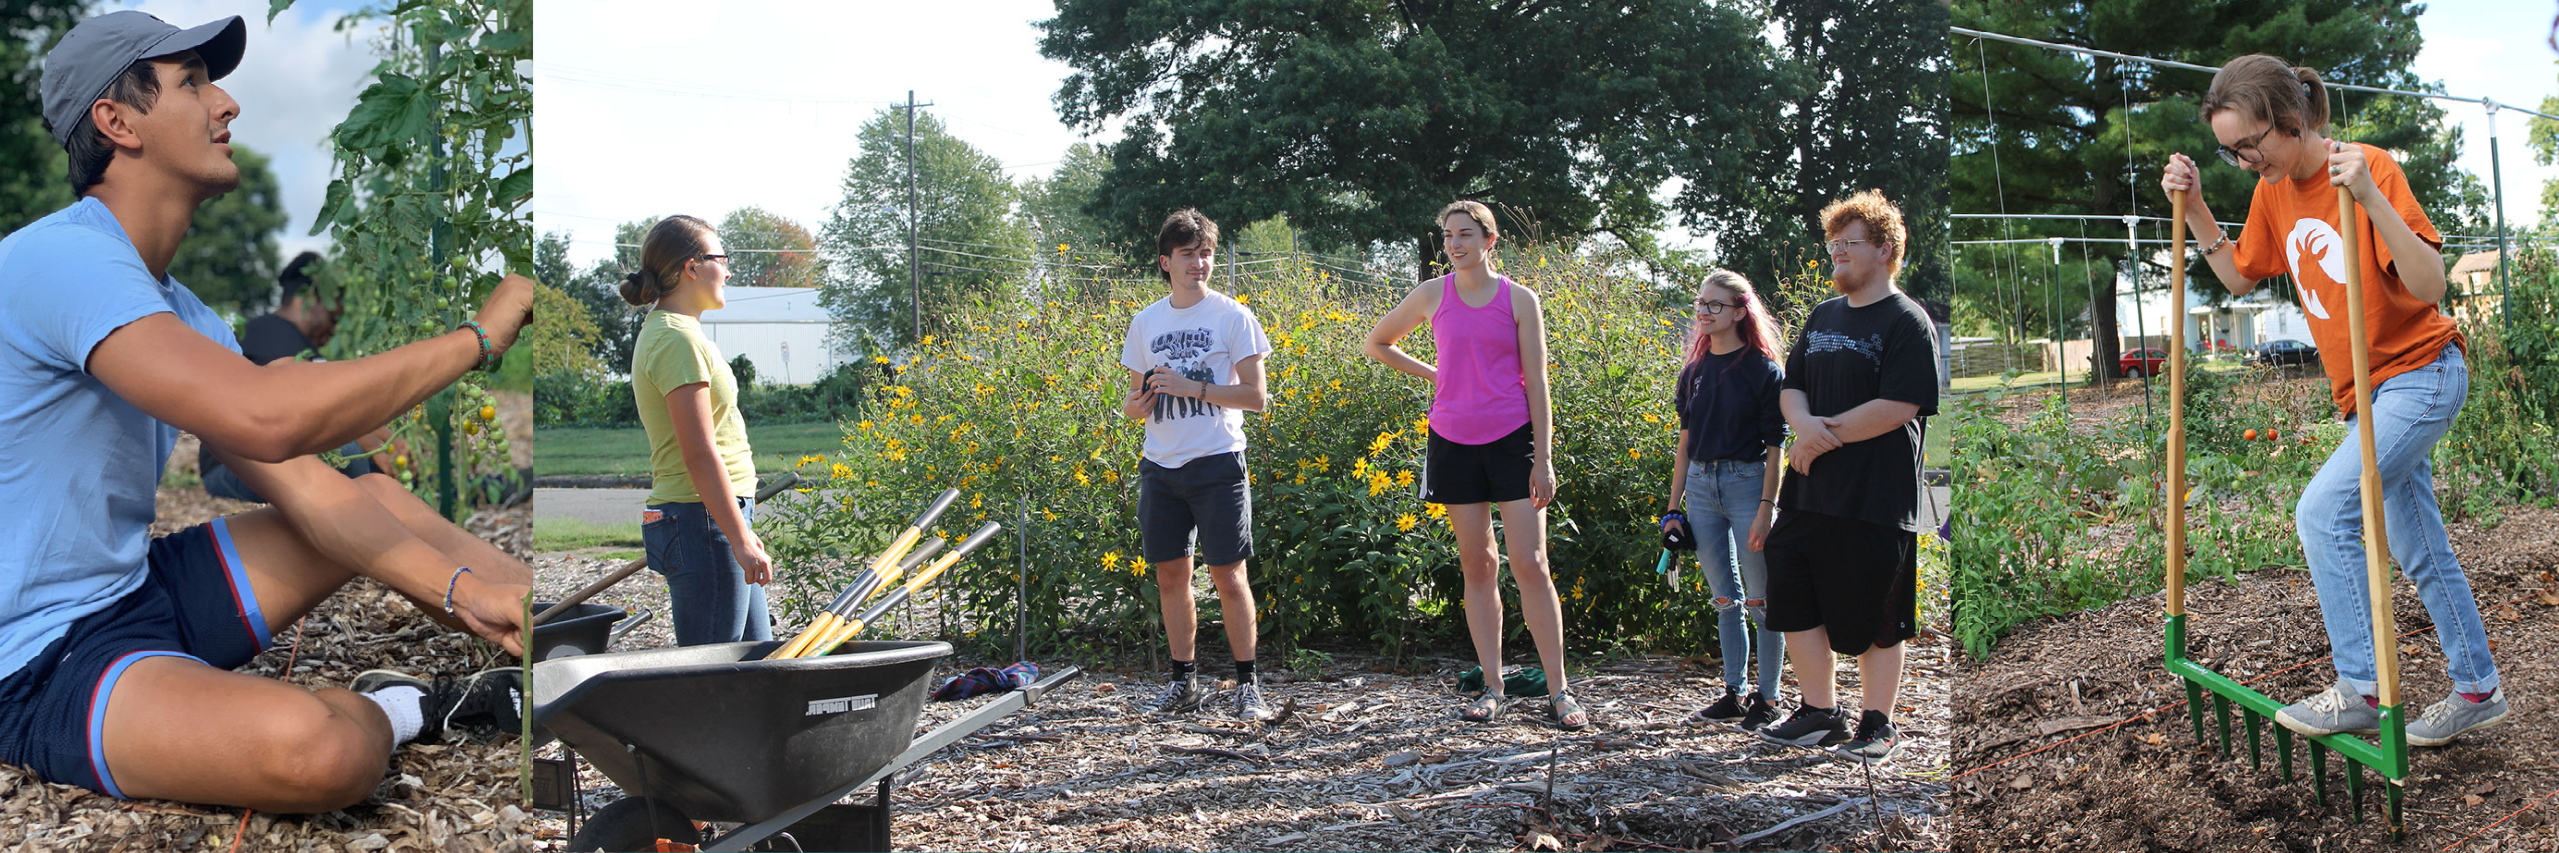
{"x": 2491, "y": 104}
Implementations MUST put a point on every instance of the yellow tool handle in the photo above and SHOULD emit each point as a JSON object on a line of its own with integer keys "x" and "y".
{"x": 2177, "y": 409}
{"x": 2385, "y": 632}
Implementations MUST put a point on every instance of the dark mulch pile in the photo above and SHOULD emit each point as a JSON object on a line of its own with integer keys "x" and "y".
{"x": 2148, "y": 785}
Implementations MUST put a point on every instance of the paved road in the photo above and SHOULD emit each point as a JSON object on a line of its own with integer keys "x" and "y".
{"x": 593, "y": 506}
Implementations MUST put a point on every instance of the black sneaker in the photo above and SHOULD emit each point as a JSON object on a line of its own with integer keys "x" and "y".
{"x": 1762, "y": 712}
{"x": 489, "y": 700}
{"x": 1179, "y": 696}
{"x": 1724, "y": 710}
{"x": 1809, "y": 726}
{"x": 1875, "y": 739}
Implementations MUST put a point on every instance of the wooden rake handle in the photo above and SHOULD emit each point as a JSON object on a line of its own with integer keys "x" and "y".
{"x": 2177, "y": 407}
{"x": 2376, "y": 549}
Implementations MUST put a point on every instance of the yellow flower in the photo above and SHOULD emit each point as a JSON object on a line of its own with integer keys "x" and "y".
{"x": 976, "y": 501}
{"x": 1422, "y": 424}
{"x": 928, "y": 340}
{"x": 1404, "y": 478}
{"x": 1110, "y": 559}
{"x": 1651, "y": 418}
{"x": 865, "y": 425}
{"x": 838, "y": 471}
{"x": 880, "y": 359}
{"x": 1404, "y": 523}
{"x": 1380, "y": 444}
{"x": 1061, "y": 248}
{"x": 1241, "y": 299}
{"x": 1080, "y": 479}
{"x": 1136, "y": 564}
{"x": 810, "y": 460}
{"x": 1632, "y": 453}
{"x": 1301, "y": 479}
{"x": 1435, "y": 511}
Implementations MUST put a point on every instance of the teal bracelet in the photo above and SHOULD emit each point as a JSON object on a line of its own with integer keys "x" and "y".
{"x": 483, "y": 335}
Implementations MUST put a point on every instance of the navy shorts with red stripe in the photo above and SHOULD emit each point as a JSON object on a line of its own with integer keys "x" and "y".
{"x": 194, "y": 602}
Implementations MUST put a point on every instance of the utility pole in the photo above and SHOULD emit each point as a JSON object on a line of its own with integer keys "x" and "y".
{"x": 914, "y": 267}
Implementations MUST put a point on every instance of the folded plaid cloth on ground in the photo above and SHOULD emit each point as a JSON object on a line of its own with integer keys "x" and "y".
{"x": 985, "y": 679}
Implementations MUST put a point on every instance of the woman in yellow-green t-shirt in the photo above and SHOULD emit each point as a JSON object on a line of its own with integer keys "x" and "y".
{"x": 698, "y": 525}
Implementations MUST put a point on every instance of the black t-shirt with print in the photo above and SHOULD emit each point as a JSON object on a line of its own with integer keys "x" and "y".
{"x": 1728, "y": 404}
{"x": 1844, "y": 357}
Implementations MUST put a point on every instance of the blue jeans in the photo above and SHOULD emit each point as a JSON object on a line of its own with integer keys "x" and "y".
{"x": 705, "y": 587}
{"x": 2411, "y": 411}
{"x": 1723, "y": 497}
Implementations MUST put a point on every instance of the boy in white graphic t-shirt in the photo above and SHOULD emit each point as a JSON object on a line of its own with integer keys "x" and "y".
{"x": 1195, "y": 367}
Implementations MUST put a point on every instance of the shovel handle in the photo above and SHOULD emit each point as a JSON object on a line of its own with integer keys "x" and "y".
{"x": 580, "y": 596}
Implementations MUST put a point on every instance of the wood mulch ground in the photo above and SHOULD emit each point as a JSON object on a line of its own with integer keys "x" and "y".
{"x": 458, "y": 795}
{"x": 2072, "y": 735}
{"x": 1376, "y": 760}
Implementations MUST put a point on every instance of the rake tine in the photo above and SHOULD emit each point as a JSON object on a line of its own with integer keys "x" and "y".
{"x": 2195, "y": 707}
{"x": 2318, "y": 768}
{"x": 2221, "y": 715}
{"x": 2256, "y": 752}
{"x": 2355, "y": 788}
{"x": 2283, "y": 750}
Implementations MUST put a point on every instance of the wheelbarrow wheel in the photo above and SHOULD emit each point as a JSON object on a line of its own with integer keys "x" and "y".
{"x": 634, "y": 824}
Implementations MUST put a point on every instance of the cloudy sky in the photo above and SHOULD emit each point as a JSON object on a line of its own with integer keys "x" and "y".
{"x": 2499, "y": 51}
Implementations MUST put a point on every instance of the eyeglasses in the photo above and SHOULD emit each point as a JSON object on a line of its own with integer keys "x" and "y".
{"x": 723, "y": 259}
{"x": 2233, "y": 156}
{"x": 1842, "y": 245}
{"x": 1712, "y": 308}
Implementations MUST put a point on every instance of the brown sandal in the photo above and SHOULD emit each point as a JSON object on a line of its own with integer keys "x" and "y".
{"x": 1484, "y": 708}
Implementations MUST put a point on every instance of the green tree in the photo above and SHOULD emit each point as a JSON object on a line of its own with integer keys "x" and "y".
{"x": 229, "y": 257}
{"x": 971, "y": 245}
{"x": 1358, "y": 121}
{"x": 34, "y": 173}
{"x": 767, "y": 249}
{"x": 1054, "y": 207}
{"x": 597, "y": 291}
{"x": 1873, "y": 118}
{"x": 2081, "y": 136}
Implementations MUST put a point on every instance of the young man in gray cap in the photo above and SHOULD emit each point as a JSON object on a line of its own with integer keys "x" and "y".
{"x": 116, "y": 648}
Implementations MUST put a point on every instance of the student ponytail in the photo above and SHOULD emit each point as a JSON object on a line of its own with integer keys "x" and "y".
{"x": 672, "y": 243}
{"x": 2291, "y": 98}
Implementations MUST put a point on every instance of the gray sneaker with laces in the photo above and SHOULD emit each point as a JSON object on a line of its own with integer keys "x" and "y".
{"x": 1180, "y": 695}
{"x": 1248, "y": 702}
{"x": 2337, "y": 709}
{"x": 2449, "y": 718}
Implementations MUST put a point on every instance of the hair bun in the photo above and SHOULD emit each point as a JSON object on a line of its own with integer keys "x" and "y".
{"x": 636, "y": 290}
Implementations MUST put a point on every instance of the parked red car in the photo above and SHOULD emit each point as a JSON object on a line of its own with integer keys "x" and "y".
{"x": 2142, "y": 362}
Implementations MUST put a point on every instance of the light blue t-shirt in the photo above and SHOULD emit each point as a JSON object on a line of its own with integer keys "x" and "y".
{"x": 78, "y": 464}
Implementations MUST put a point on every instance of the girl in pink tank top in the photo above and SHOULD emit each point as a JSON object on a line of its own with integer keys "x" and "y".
{"x": 1491, "y": 442}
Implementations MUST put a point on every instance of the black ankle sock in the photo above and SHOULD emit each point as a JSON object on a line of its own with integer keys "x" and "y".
{"x": 1185, "y": 668}
{"x": 1244, "y": 670}
{"x": 1873, "y": 720}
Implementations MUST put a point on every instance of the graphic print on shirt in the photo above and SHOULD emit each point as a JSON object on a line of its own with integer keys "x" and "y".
{"x": 1817, "y": 342}
{"x": 2318, "y": 239}
{"x": 1184, "y": 352}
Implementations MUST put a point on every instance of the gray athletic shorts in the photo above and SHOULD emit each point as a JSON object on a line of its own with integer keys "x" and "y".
{"x": 1209, "y": 495}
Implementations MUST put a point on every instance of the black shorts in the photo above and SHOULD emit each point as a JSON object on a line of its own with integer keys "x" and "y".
{"x": 1859, "y": 580}
{"x": 1460, "y": 474}
{"x": 1210, "y": 495}
{"x": 194, "y": 602}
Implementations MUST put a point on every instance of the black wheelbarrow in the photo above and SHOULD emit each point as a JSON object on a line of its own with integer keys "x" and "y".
{"x": 716, "y": 734}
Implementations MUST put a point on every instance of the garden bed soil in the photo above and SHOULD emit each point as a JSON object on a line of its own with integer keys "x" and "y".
{"x": 2024, "y": 783}
{"x": 457, "y": 795}
{"x": 1375, "y": 760}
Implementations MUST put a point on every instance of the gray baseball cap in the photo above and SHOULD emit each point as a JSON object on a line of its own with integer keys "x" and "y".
{"x": 78, "y": 71}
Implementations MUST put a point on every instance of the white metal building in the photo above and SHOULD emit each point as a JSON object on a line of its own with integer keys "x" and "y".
{"x": 781, "y": 330}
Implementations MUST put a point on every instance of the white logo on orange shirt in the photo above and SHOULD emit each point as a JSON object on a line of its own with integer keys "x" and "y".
{"x": 2319, "y": 240}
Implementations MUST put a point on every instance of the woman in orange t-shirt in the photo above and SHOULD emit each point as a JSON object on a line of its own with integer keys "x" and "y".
{"x": 2271, "y": 119}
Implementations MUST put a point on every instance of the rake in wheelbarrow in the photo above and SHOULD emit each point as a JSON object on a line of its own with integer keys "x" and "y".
{"x": 2387, "y": 756}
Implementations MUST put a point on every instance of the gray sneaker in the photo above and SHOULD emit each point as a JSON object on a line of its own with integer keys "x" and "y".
{"x": 1248, "y": 702}
{"x": 1180, "y": 695}
{"x": 2337, "y": 709}
{"x": 2447, "y": 719}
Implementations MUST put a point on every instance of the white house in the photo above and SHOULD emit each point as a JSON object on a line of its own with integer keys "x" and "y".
{"x": 2241, "y": 323}
{"x": 781, "y": 330}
